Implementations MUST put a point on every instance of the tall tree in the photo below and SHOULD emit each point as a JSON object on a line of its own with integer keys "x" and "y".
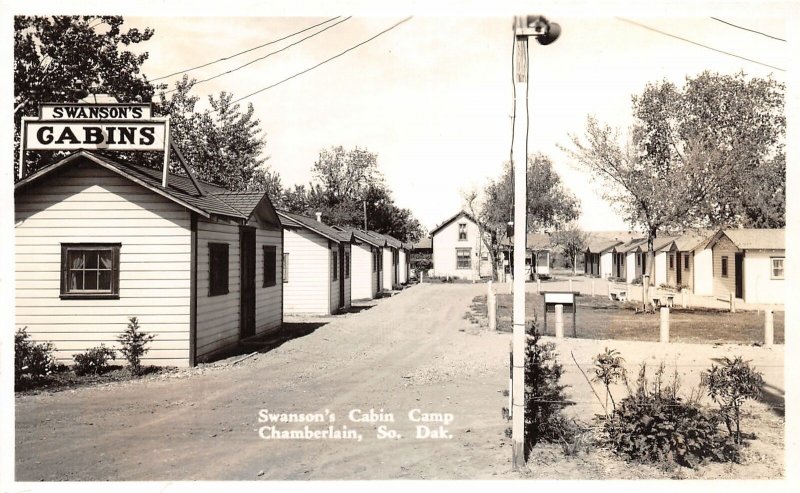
{"x": 549, "y": 204}
{"x": 345, "y": 183}
{"x": 691, "y": 155}
{"x": 223, "y": 144}
{"x": 65, "y": 58}
{"x": 572, "y": 241}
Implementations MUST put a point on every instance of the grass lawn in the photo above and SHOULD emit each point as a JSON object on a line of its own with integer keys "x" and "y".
{"x": 600, "y": 318}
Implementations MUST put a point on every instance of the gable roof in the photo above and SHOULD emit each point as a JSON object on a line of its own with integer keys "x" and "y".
{"x": 362, "y": 236}
{"x": 601, "y": 245}
{"x": 451, "y": 219}
{"x": 295, "y": 220}
{"x": 753, "y": 239}
{"x": 692, "y": 239}
{"x": 423, "y": 244}
{"x": 180, "y": 189}
{"x": 390, "y": 240}
{"x": 631, "y": 246}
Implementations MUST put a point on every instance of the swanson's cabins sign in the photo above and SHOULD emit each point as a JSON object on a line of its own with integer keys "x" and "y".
{"x": 96, "y": 126}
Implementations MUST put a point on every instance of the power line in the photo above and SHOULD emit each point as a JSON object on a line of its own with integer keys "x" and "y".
{"x": 699, "y": 44}
{"x": 324, "y": 61}
{"x": 748, "y": 29}
{"x": 263, "y": 57}
{"x": 245, "y": 51}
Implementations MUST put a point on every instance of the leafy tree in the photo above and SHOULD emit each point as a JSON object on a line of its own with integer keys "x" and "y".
{"x": 345, "y": 182}
{"x": 65, "y": 58}
{"x": 549, "y": 204}
{"x": 691, "y": 156}
{"x": 222, "y": 144}
{"x": 572, "y": 241}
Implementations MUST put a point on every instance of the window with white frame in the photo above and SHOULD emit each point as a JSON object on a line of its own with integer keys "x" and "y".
{"x": 90, "y": 270}
{"x": 777, "y": 267}
{"x": 463, "y": 258}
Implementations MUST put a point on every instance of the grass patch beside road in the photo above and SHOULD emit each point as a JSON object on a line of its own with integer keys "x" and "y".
{"x": 600, "y": 318}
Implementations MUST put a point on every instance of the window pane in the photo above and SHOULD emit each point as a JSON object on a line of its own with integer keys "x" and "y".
{"x": 104, "y": 283}
{"x": 106, "y": 257}
{"x": 90, "y": 279}
{"x": 91, "y": 259}
{"x": 75, "y": 280}
{"x": 76, "y": 259}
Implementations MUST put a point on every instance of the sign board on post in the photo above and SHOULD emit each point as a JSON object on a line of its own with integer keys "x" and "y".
{"x": 567, "y": 300}
{"x": 57, "y": 135}
{"x": 95, "y": 112}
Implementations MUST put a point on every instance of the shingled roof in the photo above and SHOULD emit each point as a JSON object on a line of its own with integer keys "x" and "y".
{"x": 215, "y": 200}
{"x": 755, "y": 239}
{"x": 390, "y": 241}
{"x": 296, "y": 220}
{"x": 362, "y": 236}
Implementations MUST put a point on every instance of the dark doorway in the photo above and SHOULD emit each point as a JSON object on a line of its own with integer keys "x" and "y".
{"x": 247, "y": 306}
{"x": 678, "y": 268}
{"x": 738, "y": 268}
{"x": 341, "y": 275}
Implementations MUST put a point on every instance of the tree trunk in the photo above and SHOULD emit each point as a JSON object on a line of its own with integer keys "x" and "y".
{"x": 574, "y": 265}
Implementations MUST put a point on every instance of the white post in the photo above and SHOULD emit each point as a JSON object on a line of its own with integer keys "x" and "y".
{"x": 538, "y": 286}
{"x": 421, "y": 276}
{"x": 769, "y": 333}
{"x": 608, "y": 289}
{"x": 664, "y": 326}
{"x": 519, "y": 160}
{"x": 491, "y": 308}
{"x": 559, "y": 321}
{"x": 733, "y": 303}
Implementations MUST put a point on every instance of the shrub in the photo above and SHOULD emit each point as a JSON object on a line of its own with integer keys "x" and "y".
{"x": 33, "y": 361}
{"x": 133, "y": 343}
{"x": 729, "y": 386}
{"x": 94, "y": 361}
{"x": 609, "y": 369}
{"x": 637, "y": 281}
{"x": 653, "y": 424}
{"x": 544, "y": 395}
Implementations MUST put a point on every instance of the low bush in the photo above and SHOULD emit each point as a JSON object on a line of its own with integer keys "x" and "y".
{"x": 94, "y": 361}
{"x": 729, "y": 386}
{"x": 33, "y": 361}
{"x": 134, "y": 342}
{"x": 653, "y": 424}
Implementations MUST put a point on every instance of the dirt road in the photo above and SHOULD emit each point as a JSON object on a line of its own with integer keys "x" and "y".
{"x": 412, "y": 351}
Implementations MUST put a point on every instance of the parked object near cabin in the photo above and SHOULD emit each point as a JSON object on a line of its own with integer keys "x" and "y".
{"x": 99, "y": 241}
{"x": 318, "y": 266}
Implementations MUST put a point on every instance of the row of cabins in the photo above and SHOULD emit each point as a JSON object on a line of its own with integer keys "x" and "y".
{"x": 100, "y": 240}
{"x": 746, "y": 262}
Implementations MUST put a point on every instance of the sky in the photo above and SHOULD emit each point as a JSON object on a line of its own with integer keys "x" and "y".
{"x": 433, "y": 97}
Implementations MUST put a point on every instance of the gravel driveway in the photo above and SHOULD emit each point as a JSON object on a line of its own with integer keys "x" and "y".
{"x": 411, "y": 351}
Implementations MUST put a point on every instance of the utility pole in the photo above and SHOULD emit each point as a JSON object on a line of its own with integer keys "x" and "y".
{"x": 519, "y": 159}
{"x": 545, "y": 33}
{"x": 365, "y": 214}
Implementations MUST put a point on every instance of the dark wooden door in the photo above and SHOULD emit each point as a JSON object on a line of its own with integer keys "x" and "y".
{"x": 341, "y": 275}
{"x": 678, "y": 269}
{"x": 247, "y": 309}
{"x": 738, "y": 268}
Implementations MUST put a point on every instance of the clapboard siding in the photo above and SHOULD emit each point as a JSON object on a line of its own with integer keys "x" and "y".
{"x": 308, "y": 288}
{"x": 336, "y": 285}
{"x": 217, "y": 316}
{"x": 361, "y": 276}
{"x": 723, "y": 286}
{"x": 269, "y": 312}
{"x": 402, "y": 269}
{"x": 81, "y": 204}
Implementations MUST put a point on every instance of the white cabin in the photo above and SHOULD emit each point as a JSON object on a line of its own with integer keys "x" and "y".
{"x": 99, "y": 241}
{"x": 318, "y": 274}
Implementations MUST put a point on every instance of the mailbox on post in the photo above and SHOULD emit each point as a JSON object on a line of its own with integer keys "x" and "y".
{"x": 567, "y": 300}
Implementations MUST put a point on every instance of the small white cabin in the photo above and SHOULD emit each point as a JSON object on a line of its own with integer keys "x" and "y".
{"x": 99, "y": 241}
{"x": 458, "y": 250}
{"x": 365, "y": 260}
{"x": 317, "y": 278}
{"x": 389, "y": 260}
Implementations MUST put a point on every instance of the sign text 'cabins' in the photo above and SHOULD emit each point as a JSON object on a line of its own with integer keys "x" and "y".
{"x": 118, "y": 127}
